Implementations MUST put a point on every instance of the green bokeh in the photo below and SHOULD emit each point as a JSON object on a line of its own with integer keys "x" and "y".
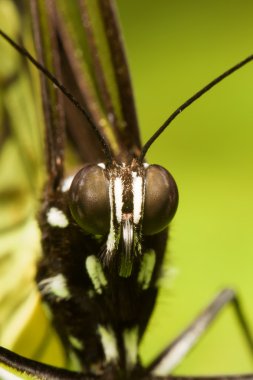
{"x": 174, "y": 49}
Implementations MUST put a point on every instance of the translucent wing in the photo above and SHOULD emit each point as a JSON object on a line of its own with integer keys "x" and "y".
{"x": 20, "y": 156}
{"x": 84, "y": 49}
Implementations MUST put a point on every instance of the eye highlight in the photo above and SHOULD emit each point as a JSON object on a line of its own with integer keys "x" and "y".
{"x": 161, "y": 199}
{"x": 89, "y": 200}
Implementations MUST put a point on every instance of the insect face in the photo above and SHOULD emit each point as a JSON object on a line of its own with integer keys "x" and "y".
{"x": 123, "y": 201}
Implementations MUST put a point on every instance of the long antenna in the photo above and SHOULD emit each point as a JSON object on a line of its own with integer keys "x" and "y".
{"x": 59, "y": 85}
{"x": 190, "y": 101}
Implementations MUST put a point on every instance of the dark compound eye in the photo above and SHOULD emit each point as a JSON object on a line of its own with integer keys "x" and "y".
{"x": 161, "y": 199}
{"x": 90, "y": 206}
{"x": 89, "y": 200}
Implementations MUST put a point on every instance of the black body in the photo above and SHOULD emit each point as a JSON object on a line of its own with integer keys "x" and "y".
{"x": 123, "y": 304}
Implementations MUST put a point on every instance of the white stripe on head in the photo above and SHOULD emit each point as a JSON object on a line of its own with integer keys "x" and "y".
{"x": 116, "y": 204}
{"x": 118, "y": 198}
{"x": 111, "y": 239}
{"x": 138, "y": 195}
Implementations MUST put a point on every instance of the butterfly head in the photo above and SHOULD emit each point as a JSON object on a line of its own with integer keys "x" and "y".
{"x": 124, "y": 202}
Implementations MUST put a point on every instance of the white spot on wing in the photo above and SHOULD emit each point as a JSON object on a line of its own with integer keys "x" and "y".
{"x": 96, "y": 274}
{"x": 138, "y": 197}
{"x": 56, "y": 218}
{"x": 101, "y": 165}
{"x": 131, "y": 337}
{"x": 109, "y": 343}
{"x": 56, "y": 286}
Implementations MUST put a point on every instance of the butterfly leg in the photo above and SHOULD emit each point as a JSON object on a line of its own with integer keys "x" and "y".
{"x": 178, "y": 349}
{"x": 16, "y": 367}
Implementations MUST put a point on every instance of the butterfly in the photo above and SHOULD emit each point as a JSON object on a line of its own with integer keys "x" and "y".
{"x": 53, "y": 287}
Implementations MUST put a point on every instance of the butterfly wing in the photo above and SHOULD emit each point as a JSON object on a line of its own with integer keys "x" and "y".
{"x": 20, "y": 156}
{"x": 100, "y": 75}
{"x": 89, "y": 57}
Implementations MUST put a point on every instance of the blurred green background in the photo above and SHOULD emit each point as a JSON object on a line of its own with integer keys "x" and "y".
{"x": 174, "y": 49}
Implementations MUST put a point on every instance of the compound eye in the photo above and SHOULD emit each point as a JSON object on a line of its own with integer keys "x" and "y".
{"x": 161, "y": 200}
{"x": 89, "y": 200}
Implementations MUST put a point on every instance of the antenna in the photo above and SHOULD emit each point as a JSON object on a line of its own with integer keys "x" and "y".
{"x": 189, "y": 102}
{"x": 60, "y": 86}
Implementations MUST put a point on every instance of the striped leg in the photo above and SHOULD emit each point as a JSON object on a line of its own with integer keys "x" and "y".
{"x": 179, "y": 348}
